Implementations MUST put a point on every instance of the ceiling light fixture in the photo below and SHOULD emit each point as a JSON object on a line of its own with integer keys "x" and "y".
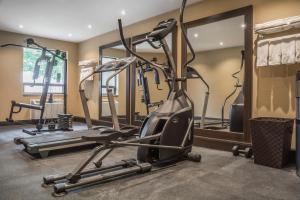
{"x": 21, "y": 26}
{"x": 90, "y": 26}
{"x": 70, "y": 35}
{"x": 243, "y": 25}
{"x": 123, "y": 12}
{"x": 196, "y": 35}
{"x": 221, "y": 43}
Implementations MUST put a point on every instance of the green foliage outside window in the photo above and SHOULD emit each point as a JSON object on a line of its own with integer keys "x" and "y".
{"x": 30, "y": 57}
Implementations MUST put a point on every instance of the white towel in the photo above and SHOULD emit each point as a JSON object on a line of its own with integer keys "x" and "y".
{"x": 298, "y": 49}
{"x": 288, "y": 50}
{"x": 262, "y": 53}
{"x": 275, "y": 52}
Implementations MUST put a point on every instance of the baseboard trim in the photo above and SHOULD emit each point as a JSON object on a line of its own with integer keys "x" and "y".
{"x": 23, "y": 122}
{"x": 216, "y": 143}
{"x": 226, "y": 145}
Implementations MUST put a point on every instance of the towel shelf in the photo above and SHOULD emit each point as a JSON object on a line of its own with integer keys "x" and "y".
{"x": 277, "y": 26}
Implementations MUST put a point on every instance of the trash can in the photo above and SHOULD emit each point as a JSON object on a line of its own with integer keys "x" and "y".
{"x": 271, "y": 140}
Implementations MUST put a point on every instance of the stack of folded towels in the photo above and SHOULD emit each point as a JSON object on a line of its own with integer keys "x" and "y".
{"x": 278, "y": 51}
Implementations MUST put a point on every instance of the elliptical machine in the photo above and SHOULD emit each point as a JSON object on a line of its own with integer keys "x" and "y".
{"x": 165, "y": 137}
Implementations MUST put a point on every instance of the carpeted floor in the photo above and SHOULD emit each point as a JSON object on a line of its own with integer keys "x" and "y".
{"x": 218, "y": 176}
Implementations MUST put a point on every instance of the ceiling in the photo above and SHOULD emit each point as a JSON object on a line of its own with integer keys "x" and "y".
{"x": 69, "y": 20}
{"x": 229, "y": 32}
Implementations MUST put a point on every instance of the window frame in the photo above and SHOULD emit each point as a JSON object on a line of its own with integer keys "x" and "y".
{"x": 63, "y": 85}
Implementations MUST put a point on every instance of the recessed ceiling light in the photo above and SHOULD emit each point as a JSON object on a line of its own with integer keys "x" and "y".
{"x": 243, "y": 25}
{"x": 196, "y": 35}
{"x": 221, "y": 43}
{"x": 21, "y": 26}
{"x": 90, "y": 26}
{"x": 123, "y": 12}
{"x": 70, "y": 35}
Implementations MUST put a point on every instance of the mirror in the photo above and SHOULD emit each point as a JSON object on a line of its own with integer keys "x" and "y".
{"x": 150, "y": 88}
{"x": 118, "y": 84}
{"x": 220, "y": 43}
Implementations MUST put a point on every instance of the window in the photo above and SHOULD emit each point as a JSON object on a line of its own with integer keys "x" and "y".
{"x": 113, "y": 84}
{"x": 56, "y": 86}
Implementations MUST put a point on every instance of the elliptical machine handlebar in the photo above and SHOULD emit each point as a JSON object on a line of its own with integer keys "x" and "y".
{"x": 189, "y": 44}
{"x": 109, "y": 66}
{"x": 153, "y": 37}
{"x": 128, "y": 49}
{"x": 185, "y": 35}
{"x": 158, "y": 33}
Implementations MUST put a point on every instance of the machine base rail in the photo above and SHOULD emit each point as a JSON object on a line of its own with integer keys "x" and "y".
{"x": 62, "y": 184}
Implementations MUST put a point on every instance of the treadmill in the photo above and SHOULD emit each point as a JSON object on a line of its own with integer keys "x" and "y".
{"x": 43, "y": 144}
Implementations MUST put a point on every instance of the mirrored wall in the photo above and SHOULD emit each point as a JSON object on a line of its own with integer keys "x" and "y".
{"x": 149, "y": 86}
{"x": 222, "y": 49}
{"x": 119, "y": 84}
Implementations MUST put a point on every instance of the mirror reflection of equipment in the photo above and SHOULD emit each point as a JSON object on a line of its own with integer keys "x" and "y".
{"x": 107, "y": 53}
{"x": 193, "y": 74}
{"x": 143, "y": 68}
{"x": 209, "y": 45}
{"x": 236, "y": 117}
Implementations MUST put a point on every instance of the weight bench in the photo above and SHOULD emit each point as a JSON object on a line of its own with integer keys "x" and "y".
{"x": 14, "y": 105}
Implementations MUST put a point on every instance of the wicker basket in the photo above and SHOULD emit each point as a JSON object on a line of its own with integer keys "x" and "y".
{"x": 271, "y": 140}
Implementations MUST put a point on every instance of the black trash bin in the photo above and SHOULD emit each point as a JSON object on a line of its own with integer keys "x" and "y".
{"x": 271, "y": 140}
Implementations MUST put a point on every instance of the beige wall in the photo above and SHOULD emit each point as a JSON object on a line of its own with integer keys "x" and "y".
{"x": 11, "y": 60}
{"x": 273, "y": 88}
{"x": 264, "y": 10}
{"x": 216, "y": 67}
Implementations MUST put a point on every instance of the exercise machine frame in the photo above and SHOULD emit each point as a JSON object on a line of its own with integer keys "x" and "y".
{"x": 51, "y": 62}
{"x": 158, "y": 145}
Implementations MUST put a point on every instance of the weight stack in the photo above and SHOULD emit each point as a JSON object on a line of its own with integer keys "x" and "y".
{"x": 65, "y": 122}
{"x": 298, "y": 123}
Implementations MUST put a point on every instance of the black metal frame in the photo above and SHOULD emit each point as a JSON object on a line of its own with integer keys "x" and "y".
{"x": 65, "y": 75}
{"x": 215, "y": 137}
{"x": 51, "y": 62}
